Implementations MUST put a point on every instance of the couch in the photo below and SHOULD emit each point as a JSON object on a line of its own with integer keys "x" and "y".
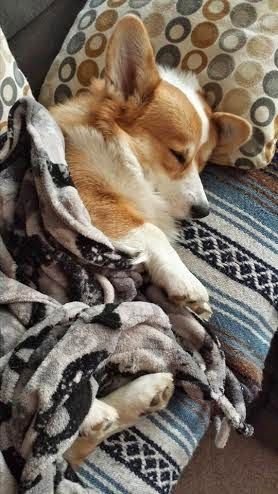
{"x": 35, "y": 30}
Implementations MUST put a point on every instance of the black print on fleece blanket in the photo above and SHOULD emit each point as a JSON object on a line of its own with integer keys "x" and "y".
{"x": 73, "y": 313}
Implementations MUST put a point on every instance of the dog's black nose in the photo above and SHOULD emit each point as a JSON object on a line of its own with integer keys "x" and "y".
{"x": 199, "y": 210}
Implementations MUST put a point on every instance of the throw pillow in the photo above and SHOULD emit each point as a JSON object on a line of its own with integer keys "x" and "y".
{"x": 13, "y": 84}
{"x": 231, "y": 45}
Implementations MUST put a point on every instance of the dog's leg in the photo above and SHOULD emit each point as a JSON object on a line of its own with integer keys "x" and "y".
{"x": 120, "y": 410}
{"x": 100, "y": 419}
{"x": 167, "y": 269}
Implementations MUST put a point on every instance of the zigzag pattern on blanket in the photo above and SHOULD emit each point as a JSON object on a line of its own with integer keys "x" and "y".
{"x": 238, "y": 244}
{"x": 151, "y": 455}
{"x": 235, "y": 253}
{"x": 235, "y": 261}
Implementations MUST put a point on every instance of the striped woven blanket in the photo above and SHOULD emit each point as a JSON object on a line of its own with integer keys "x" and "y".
{"x": 235, "y": 253}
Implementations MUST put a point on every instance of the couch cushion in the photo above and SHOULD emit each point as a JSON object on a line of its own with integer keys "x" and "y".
{"x": 15, "y": 15}
{"x": 38, "y": 41}
{"x": 13, "y": 84}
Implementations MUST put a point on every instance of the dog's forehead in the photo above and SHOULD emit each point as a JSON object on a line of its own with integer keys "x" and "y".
{"x": 187, "y": 84}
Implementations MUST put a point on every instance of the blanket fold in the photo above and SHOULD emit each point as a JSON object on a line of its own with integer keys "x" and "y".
{"x": 75, "y": 313}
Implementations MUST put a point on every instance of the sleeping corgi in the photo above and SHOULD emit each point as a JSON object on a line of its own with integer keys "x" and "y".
{"x": 135, "y": 146}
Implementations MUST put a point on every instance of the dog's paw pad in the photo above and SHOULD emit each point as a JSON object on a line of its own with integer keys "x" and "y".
{"x": 160, "y": 399}
{"x": 161, "y": 393}
{"x": 99, "y": 420}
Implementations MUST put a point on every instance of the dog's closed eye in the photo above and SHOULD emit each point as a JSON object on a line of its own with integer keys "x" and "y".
{"x": 182, "y": 158}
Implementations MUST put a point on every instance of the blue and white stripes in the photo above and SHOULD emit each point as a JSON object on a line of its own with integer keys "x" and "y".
{"x": 234, "y": 252}
{"x": 148, "y": 457}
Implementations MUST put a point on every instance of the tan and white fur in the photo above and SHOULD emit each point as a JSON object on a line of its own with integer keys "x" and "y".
{"x": 135, "y": 146}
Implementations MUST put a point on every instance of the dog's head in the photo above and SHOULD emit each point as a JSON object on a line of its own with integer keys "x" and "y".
{"x": 165, "y": 119}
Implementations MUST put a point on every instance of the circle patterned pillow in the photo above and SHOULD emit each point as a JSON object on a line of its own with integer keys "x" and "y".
{"x": 13, "y": 84}
{"x": 231, "y": 45}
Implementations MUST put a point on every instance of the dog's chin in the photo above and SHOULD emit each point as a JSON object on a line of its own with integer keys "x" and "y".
{"x": 181, "y": 216}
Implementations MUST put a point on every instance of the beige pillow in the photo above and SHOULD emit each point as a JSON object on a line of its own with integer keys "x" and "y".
{"x": 13, "y": 84}
{"x": 231, "y": 45}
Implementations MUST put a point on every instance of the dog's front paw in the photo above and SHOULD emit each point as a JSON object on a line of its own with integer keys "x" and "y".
{"x": 186, "y": 290}
{"x": 155, "y": 392}
{"x": 99, "y": 420}
{"x": 144, "y": 395}
{"x": 202, "y": 309}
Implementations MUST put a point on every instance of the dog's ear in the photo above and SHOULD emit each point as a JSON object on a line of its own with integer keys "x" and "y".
{"x": 130, "y": 63}
{"x": 232, "y": 132}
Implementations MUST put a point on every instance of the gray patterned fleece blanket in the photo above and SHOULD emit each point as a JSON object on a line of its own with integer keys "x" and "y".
{"x": 75, "y": 313}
